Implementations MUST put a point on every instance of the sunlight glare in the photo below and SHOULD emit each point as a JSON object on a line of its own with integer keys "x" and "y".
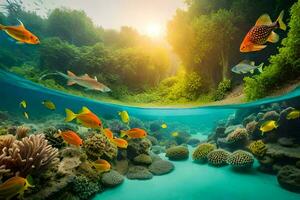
{"x": 154, "y": 30}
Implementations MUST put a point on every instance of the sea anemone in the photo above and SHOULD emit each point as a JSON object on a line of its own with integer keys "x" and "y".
{"x": 241, "y": 159}
{"x": 200, "y": 153}
{"x": 218, "y": 157}
{"x": 22, "y": 132}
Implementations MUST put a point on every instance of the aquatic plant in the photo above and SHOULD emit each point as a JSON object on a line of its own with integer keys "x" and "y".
{"x": 258, "y": 148}
{"x": 85, "y": 188}
{"x": 238, "y": 136}
{"x": 98, "y": 146}
{"x": 177, "y": 153}
{"x": 29, "y": 155}
{"x": 218, "y": 157}
{"x": 241, "y": 159}
{"x": 202, "y": 150}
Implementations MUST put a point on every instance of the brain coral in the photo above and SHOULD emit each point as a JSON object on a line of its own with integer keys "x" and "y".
{"x": 237, "y": 136}
{"x": 177, "y": 153}
{"x": 218, "y": 157}
{"x": 240, "y": 159}
{"x": 200, "y": 153}
{"x": 258, "y": 148}
{"x": 98, "y": 146}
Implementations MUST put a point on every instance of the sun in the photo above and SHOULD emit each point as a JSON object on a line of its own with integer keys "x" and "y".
{"x": 154, "y": 30}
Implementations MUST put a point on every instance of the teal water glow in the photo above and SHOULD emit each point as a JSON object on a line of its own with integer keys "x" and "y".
{"x": 189, "y": 180}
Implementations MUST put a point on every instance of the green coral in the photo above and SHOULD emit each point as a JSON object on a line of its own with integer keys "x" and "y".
{"x": 218, "y": 157}
{"x": 241, "y": 159}
{"x": 237, "y": 136}
{"x": 177, "y": 153}
{"x": 201, "y": 152}
{"x": 84, "y": 188}
{"x": 98, "y": 146}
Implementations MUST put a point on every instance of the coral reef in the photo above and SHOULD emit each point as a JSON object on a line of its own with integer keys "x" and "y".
{"x": 289, "y": 178}
{"x": 240, "y": 159}
{"x": 143, "y": 159}
{"x": 160, "y": 167}
{"x": 238, "y": 137}
{"x": 177, "y": 153}
{"x": 112, "y": 178}
{"x": 193, "y": 142}
{"x": 85, "y": 188}
{"x": 138, "y": 146}
{"x": 218, "y": 157}
{"x": 98, "y": 146}
{"x": 138, "y": 172}
{"x": 201, "y": 152}
{"x": 21, "y": 132}
{"x": 258, "y": 148}
{"x": 56, "y": 142}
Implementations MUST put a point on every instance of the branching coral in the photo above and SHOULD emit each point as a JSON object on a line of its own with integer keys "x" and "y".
{"x": 240, "y": 135}
{"x": 241, "y": 159}
{"x": 98, "y": 146}
{"x": 31, "y": 154}
{"x": 258, "y": 148}
{"x": 218, "y": 157}
{"x": 201, "y": 152}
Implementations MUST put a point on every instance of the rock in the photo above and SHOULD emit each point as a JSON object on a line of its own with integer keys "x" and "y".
{"x": 285, "y": 112}
{"x": 259, "y": 116}
{"x": 161, "y": 167}
{"x": 286, "y": 142}
{"x": 154, "y": 157}
{"x": 248, "y": 119}
{"x": 143, "y": 159}
{"x": 193, "y": 142}
{"x": 177, "y": 153}
{"x": 153, "y": 140}
{"x": 266, "y": 165}
{"x": 138, "y": 146}
{"x": 252, "y": 127}
{"x": 289, "y": 178}
{"x": 121, "y": 166}
{"x": 112, "y": 178}
{"x": 271, "y": 115}
{"x": 230, "y": 129}
{"x": 158, "y": 149}
{"x": 139, "y": 172}
{"x": 68, "y": 165}
{"x": 279, "y": 152}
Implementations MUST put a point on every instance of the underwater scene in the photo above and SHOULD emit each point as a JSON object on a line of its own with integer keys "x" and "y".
{"x": 143, "y": 100}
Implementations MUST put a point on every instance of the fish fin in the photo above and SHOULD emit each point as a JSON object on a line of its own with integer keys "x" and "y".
{"x": 71, "y": 83}
{"x": 260, "y": 67}
{"x": 96, "y": 79}
{"x": 123, "y": 133}
{"x": 71, "y": 74}
{"x": 70, "y": 115}
{"x": 85, "y": 110}
{"x": 258, "y": 47}
{"x": 280, "y": 22}
{"x": 263, "y": 20}
{"x": 85, "y": 76}
{"x": 274, "y": 37}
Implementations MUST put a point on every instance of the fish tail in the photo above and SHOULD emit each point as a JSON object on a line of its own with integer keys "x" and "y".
{"x": 280, "y": 22}
{"x": 70, "y": 115}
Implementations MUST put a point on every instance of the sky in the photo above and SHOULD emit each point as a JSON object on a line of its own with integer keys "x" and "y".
{"x": 147, "y": 16}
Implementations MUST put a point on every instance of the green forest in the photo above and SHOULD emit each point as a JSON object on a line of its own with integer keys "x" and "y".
{"x": 205, "y": 36}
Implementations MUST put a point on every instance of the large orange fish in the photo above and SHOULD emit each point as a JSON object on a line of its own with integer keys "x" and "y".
{"x": 119, "y": 142}
{"x": 85, "y": 117}
{"x": 101, "y": 165}
{"x": 70, "y": 137}
{"x": 261, "y": 33}
{"x": 134, "y": 133}
{"x": 108, "y": 133}
{"x": 20, "y": 33}
{"x": 13, "y": 186}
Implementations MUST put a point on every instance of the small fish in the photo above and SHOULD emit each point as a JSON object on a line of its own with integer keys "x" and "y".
{"x": 70, "y": 137}
{"x": 268, "y": 126}
{"x": 124, "y": 116}
{"x": 164, "y": 125}
{"x": 293, "y": 114}
{"x": 101, "y": 165}
{"x": 23, "y": 104}
{"x": 174, "y": 134}
{"x": 246, "y": 66}
{"x": 108, "y": 133}
{"x": 20, "y": 33}
{"x": 261, "y": 33}
{"x": 134, "y": 133}
{"x": 119, "y": 142}
{"x": 85, "y": 117}
{"x": 13, "y": 186}
{"x": 26, "y": 115}
{"x": 49, "y": 104}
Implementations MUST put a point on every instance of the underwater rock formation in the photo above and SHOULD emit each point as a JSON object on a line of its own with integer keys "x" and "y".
{"x": 218, "y": 157}
{"x": 112, "y": 178}
{"x": 85, "y": 188}
{"x": 160, "y": 167}
{"x": 238, "y": 138}
{"x": 240, "y": 159}
{"x": 177, "y": 153}
{"x": 193, "y": 142}
{"x": 116, "y": 125}
{"x": 143, "y": 159}
{"x": 289, "y": 178}
{"x": 139, "y": 172}
{"x": 98, "y": 146}
{"x": 138, "y": 146}
{"x": 201, "y": 152}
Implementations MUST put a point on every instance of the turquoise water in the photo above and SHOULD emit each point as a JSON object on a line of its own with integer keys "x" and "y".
{"x": 189, "y": 180}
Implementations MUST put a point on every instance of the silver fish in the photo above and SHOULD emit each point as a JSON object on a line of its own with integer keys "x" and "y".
{"x": 246, "y": 66}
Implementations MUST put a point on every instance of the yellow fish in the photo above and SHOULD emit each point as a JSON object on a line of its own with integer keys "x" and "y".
{"x": 293, "y": 115}
{"x": 49, "y": 104}
{"x": 268, "y": 126}
{"x": 164, "y": 125}
{"x": 26, "y": 115}
{"x": 124, "y": 116}
{"x": 23, "y": 104}
{"x": 13, "y": 186}
{"x": 174, "y": 134}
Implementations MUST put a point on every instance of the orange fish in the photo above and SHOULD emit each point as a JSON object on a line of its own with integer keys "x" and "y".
{"x": 13, "y": 186}
{"x": 108, "y": 133}
{"x": 20, "y": 33}
{"x": 85, "y": 117}
{"x": 119, "y": 142}
{"x": 101, "y": 165}
{"x": 261, "y": 33}
{"x": 134, "y": 133}
{"x": 70, "y": 137}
